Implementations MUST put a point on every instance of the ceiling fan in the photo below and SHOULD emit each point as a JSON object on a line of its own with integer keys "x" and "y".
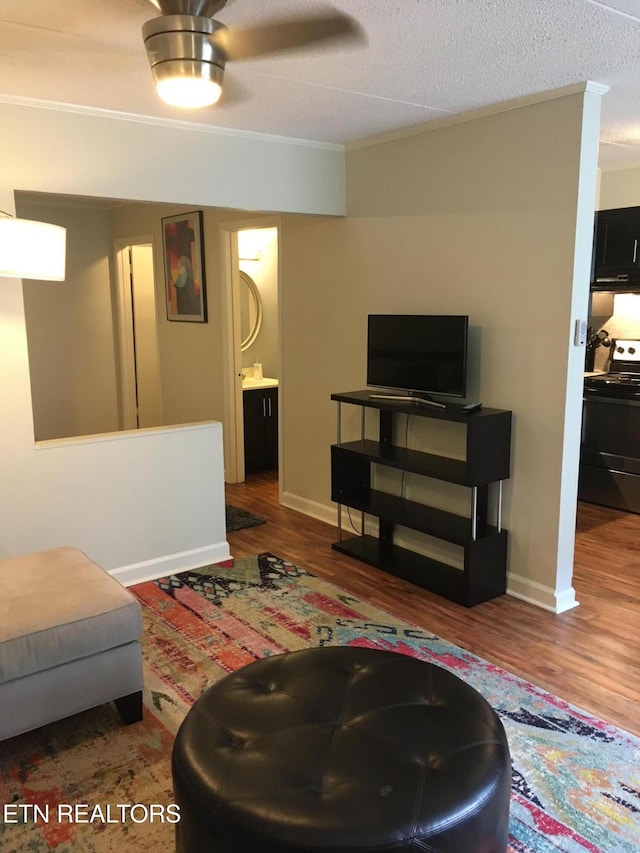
{"x": 188, "y": 50}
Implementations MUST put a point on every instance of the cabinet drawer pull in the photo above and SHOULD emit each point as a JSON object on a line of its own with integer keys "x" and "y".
{"x": 264, "y": 408}
{"x": 635, "y": 250}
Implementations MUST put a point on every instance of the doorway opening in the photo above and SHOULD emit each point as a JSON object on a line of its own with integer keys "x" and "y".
{"x": 139, "y": 386}
{"x": 253, "y": 368}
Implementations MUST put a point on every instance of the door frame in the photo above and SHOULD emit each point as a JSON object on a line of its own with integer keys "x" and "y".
{"x": 232, "y": 355}
{"x": 124, "y": 334}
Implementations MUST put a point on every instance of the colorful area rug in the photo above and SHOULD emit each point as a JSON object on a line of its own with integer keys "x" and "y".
{"x": 576, "y": 779}
{"x": 238, "y": 519}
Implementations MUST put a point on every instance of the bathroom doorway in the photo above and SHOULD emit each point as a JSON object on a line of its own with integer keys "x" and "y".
{"x": 253, "y": 347}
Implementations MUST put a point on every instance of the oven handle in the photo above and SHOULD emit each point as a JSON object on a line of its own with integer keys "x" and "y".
{"x": 599, "y": 397}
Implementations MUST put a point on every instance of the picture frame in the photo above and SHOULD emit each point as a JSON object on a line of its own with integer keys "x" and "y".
{"x": 183, "y": 252}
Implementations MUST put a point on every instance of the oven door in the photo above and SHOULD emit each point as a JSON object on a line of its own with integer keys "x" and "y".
{"x": 610, "y": 452}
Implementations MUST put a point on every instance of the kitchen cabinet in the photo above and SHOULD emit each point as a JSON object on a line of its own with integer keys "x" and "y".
{"x": 484, "y": 545}
{"x": 260, "y": 410}
{"x": 616, "y": 251}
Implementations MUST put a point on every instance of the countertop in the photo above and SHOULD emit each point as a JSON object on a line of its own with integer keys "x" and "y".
{"x": 259, "y": 384}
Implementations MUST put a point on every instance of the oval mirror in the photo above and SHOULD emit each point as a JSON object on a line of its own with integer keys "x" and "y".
{"x": 250, "y": 310}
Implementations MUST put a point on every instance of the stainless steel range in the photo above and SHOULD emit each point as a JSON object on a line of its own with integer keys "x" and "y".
{"x": 610, "y": 445}
{"x": 623, "y": 377}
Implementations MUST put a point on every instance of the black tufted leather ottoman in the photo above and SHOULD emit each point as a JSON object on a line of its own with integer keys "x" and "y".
{"x": 338, "y": 749}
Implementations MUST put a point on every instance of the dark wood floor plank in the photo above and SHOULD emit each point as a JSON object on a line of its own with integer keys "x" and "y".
{"x": 589, "y": 656}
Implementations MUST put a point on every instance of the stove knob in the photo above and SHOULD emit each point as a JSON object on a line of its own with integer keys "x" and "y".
{"x": 632, "y": 350}
{"x": 619, "y": 349}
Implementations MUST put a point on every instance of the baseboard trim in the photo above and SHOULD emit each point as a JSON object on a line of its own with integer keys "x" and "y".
{"x": 322, "y": 512}
{"x": 530, "y": 591}
{"x": 169, "y": 564}
{"x": 542, "y": 596}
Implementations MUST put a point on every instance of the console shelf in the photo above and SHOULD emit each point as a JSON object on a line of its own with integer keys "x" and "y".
{"x": 488, "y": 441}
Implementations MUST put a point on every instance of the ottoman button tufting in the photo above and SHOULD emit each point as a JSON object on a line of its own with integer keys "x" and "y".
{"x": 345, "y": 749}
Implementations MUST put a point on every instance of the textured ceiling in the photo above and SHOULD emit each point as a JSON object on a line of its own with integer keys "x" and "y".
{"x": 424, "y": 60}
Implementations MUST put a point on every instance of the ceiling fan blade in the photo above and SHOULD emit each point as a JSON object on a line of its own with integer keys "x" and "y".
{"x": 288, "y": 34}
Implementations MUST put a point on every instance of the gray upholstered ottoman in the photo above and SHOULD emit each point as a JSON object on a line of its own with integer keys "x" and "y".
{"x": 69, "y": 640}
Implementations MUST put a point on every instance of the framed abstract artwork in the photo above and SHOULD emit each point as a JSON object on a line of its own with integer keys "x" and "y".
{"x": 183, "y": 247}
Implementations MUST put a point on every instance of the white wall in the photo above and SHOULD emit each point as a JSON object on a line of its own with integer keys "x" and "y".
{"x": 154, "y": 501}
{"x": 150, "y": 505}
{"x": 62, "y": 150}
{"x": 138, "y": 504}
{"x": 492, "y": 217}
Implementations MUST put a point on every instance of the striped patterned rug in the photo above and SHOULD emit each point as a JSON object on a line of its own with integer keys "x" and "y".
{"x": 576, "y": 779}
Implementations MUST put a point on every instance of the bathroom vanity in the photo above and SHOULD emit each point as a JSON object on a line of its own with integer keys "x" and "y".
{"x": 260, "y": 410}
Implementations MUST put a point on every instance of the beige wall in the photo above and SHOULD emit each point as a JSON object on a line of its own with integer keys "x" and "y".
{"x": 490, "y": 217}
{"x": 185, "y": 348}
{"x": 70, "y": 329}
{"x": 264, "y": 272}
{"x": 70, "y": 326}
{"x": 619, "y": 188}
{"x": 476, "y": 218}
{"x": 191, "y": 354}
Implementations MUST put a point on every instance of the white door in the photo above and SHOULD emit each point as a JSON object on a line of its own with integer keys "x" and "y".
{"x": 139, "y": 373}
{"x": 145, "y": 337}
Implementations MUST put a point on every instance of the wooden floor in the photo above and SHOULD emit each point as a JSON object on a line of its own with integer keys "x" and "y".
{"x": 590, "y": 656}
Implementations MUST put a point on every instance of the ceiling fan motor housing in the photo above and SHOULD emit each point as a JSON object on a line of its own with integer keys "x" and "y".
{"x": 182, "y": 46}
{"x": 189, "y": 7}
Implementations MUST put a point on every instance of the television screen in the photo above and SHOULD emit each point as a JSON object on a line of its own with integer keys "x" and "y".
{"x": 419, "y": 353}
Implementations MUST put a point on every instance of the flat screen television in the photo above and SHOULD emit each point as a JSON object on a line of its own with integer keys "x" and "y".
{"x": 420, "y": 354}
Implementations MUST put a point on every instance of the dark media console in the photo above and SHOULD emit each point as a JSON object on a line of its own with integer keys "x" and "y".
{"x": 488, "y": 455}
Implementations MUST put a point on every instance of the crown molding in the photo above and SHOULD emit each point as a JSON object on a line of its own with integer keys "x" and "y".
{"x": 493, "y": 109}
{"x": 158, "y": 121}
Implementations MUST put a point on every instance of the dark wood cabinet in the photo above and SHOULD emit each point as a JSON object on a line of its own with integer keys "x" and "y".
{"x": 484, "y": 545}
{"x": 610, "y": 453}
{"x": 260, "y": 409}
{"x": 616, "y": 251}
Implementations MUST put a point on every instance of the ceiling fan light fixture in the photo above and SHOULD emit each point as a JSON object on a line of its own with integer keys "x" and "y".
{"x": 188, "y": 84}
{"x": 186, "y": 61}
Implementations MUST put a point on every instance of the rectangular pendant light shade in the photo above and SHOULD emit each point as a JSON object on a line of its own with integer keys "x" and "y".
{"x": 30, "y": 249}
